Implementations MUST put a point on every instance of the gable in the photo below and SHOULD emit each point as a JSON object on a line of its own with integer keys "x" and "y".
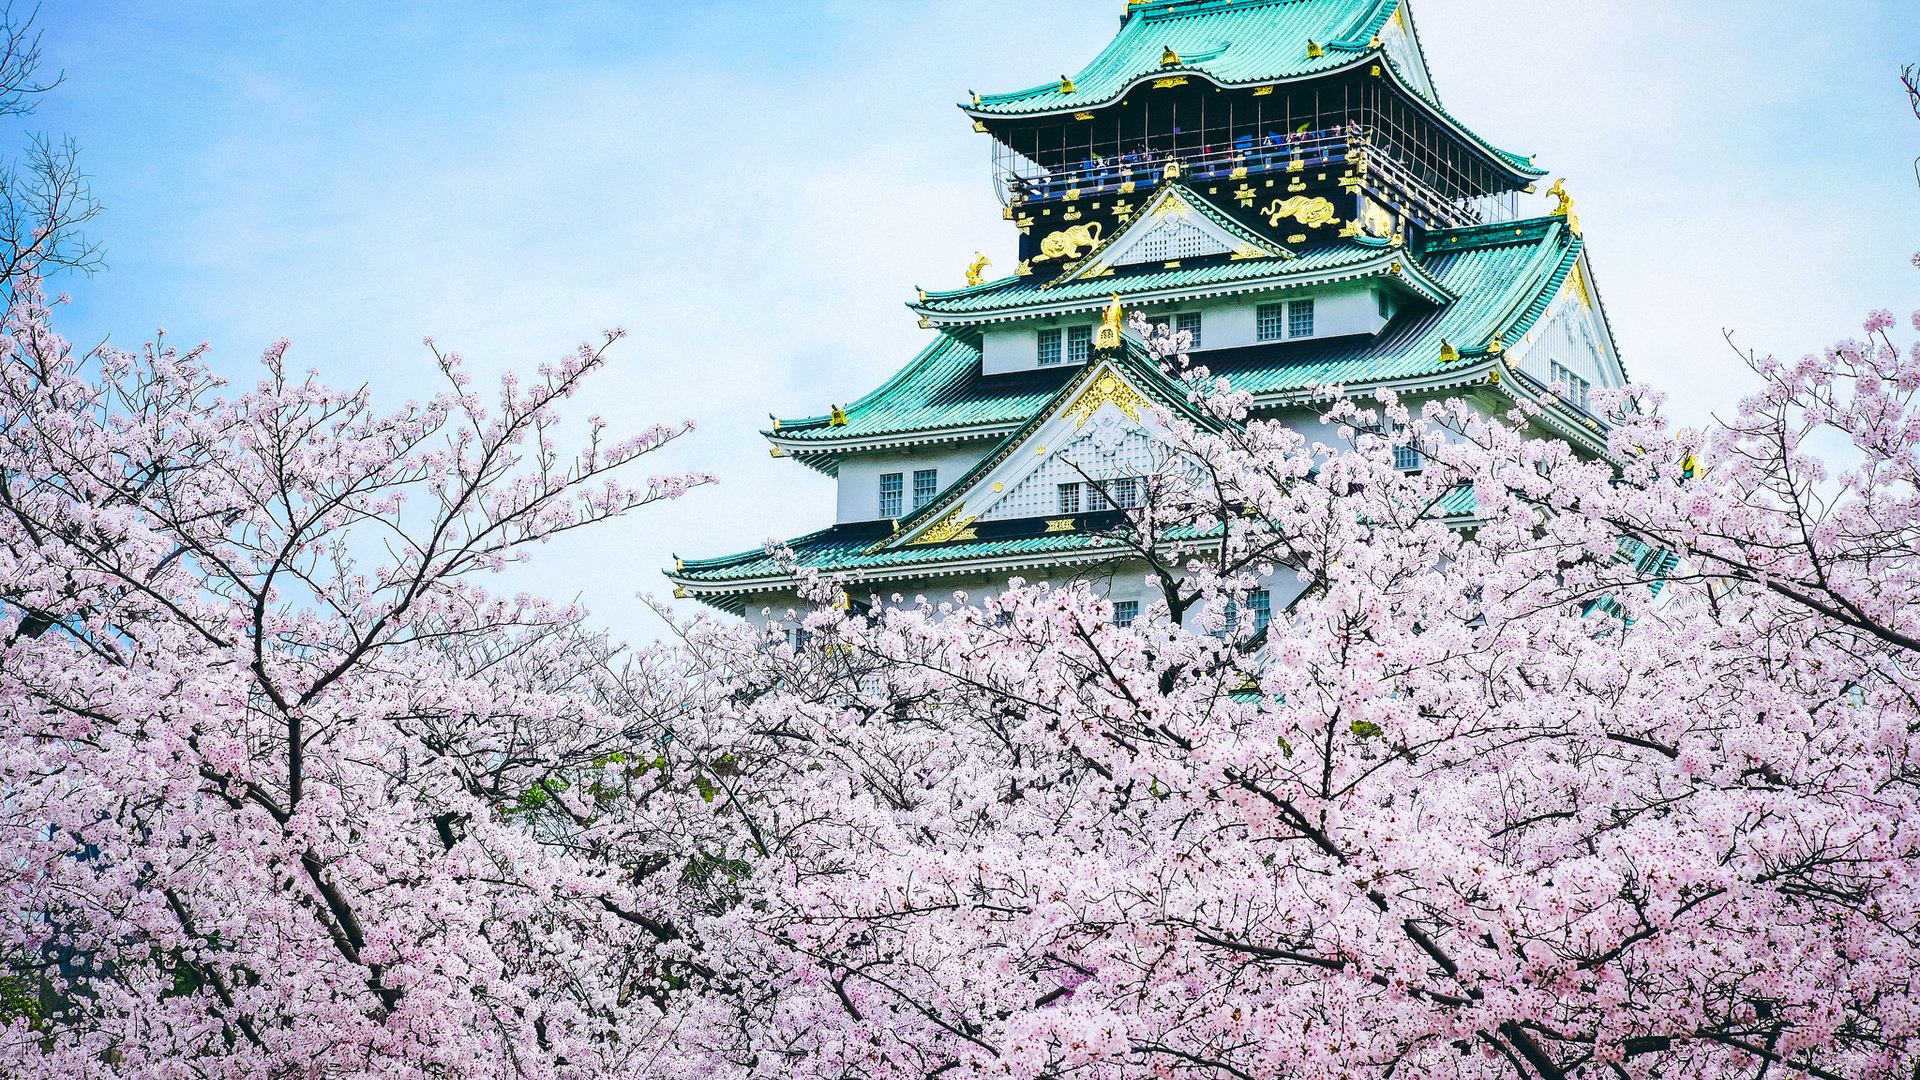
{"x": 1174, "y": 225}
{"x": 1402, "y": 46}
{"x": 1110, "y": 447}
{"x": 1574, "y": 334}
{"x": 1100, "y": 428}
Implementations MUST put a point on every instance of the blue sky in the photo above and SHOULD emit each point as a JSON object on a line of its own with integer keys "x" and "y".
{"x": 753, "y": 189}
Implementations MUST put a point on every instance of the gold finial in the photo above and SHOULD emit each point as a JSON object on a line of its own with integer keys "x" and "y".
{"x": 922, "y": 293}
{"x": 1066, "y": 85}
{"x": 977, "y": 269}
{"x": 1448, "y": 354}
{"x": 1169, "y": 58}
{"x": 1315, "y": 50}
{"x": 1111, "y": 320}
{"x": 1496, "y": 346}
{"x": 839, "y": 417}
{"x": 1565, "y": 209}
{"x": 975, "y": 95}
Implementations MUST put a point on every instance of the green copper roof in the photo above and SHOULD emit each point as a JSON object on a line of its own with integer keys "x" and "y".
{"x": 849, "y": 549}
{"x": 1503, "y": 275}
{"x": 1239, "y": 43}
{"x": 1012, "y": 296}
{"x": 940, "y": 388}
{"x": 1231, "y": 42}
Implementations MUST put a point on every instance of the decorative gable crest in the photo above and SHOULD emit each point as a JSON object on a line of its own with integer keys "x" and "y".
{"x": 1174, "y": 225}
{"x": 1100, "y": 427}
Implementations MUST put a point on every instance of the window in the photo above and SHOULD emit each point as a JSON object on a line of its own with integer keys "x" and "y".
{"x": 1125, "y": 493}
{"x": 1261, "y": 604}
{"x": 1578, "y": 388}
{"x": 1049, "y": 348}
{"x": 1408, "y": 458}
{"x": 926, "y": 484}
{"x": 1188, "y": 321}
{"x": 891, "y": 488}
{"x": 1279, "y": 321}
{"x": 1079, "y": 344}
{"x": 1126, "y": 612}
{"x": 1272, "y": 321}
{"x": 1386, "y": 305}
{"x": 1300, "y": 319}
{"x": 1069, "y": 498}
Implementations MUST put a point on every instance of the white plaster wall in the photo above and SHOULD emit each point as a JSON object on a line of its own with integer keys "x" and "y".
{"x": 859, "y": 498}
{"x": 1339, "y": 311}
{"x": 1017, "y": 347}
{"x": 1570, "y": 336}
{"x": 1117, "y": 581}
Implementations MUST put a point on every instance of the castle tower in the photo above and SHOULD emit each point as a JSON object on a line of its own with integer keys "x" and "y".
{"x": 1276, "y": 178}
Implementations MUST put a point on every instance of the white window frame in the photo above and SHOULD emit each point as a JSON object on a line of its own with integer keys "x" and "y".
{"x": 1579, "y": 389}
{"x": 1049, "y": 343}
{"x": 1191, "y": 321}
{"x": 897, "y": 495}
{"x": 1079, "y": 345}
{"x": 926, "y": 485}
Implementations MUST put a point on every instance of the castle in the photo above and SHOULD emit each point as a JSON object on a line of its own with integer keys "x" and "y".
{"x": 1276, "y": 178}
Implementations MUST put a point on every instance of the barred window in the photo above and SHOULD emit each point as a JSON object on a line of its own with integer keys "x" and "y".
{"x": 892, "y": 488}
{"x": 1578, "y": 389}
{"x": 1049, "y": 348}
{"x": 926, "y": 484}
{"x": 1300, "y": 319}
{"x": 1261, "y": 604}
{"x": 1188, "y": 321}
{"x": 1069, "y": 498}
{"x": 1079, "y": 344}
{"x": 1126, "y": 493}
{"x": 1408, "y": 458}
{"x": 1126, "y": 612}
{"x": 1272, "y": 320}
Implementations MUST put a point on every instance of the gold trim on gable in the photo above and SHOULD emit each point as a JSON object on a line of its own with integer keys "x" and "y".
{"x": 1108, "y": 389}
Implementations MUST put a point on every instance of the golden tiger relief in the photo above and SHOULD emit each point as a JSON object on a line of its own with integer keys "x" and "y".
{"x": 1066, "y": 243}
{"x": 1310, "y": 212}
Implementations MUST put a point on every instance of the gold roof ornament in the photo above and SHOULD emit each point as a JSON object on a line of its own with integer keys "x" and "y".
{"x": 1496, "y": 346}
{"x": 1172, "y": 171}
{"x": 977, "y": 269}
{"x": 1066, "y": 85}
{"x": 838, "y": 418}
{"x": 1565, "y": 209}
{"x": 1111, "y": 320}
{"x": 1315, "y": 50}
{"x": 1448, "y": 354}
{"x": 975, "y": 95}
{"x": 1169, "y": 58}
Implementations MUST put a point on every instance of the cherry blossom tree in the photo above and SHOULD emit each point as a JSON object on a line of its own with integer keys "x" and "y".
{"x": 283, "y": 790}
{"x": 1611, "y": 775}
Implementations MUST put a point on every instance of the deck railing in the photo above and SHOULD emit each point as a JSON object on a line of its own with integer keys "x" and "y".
{"x": 1021, "y": 181}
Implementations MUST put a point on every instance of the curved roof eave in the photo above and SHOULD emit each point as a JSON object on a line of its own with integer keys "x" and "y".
{"x": 1410, "y": 274}
{"x": 1503, "y": 159}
